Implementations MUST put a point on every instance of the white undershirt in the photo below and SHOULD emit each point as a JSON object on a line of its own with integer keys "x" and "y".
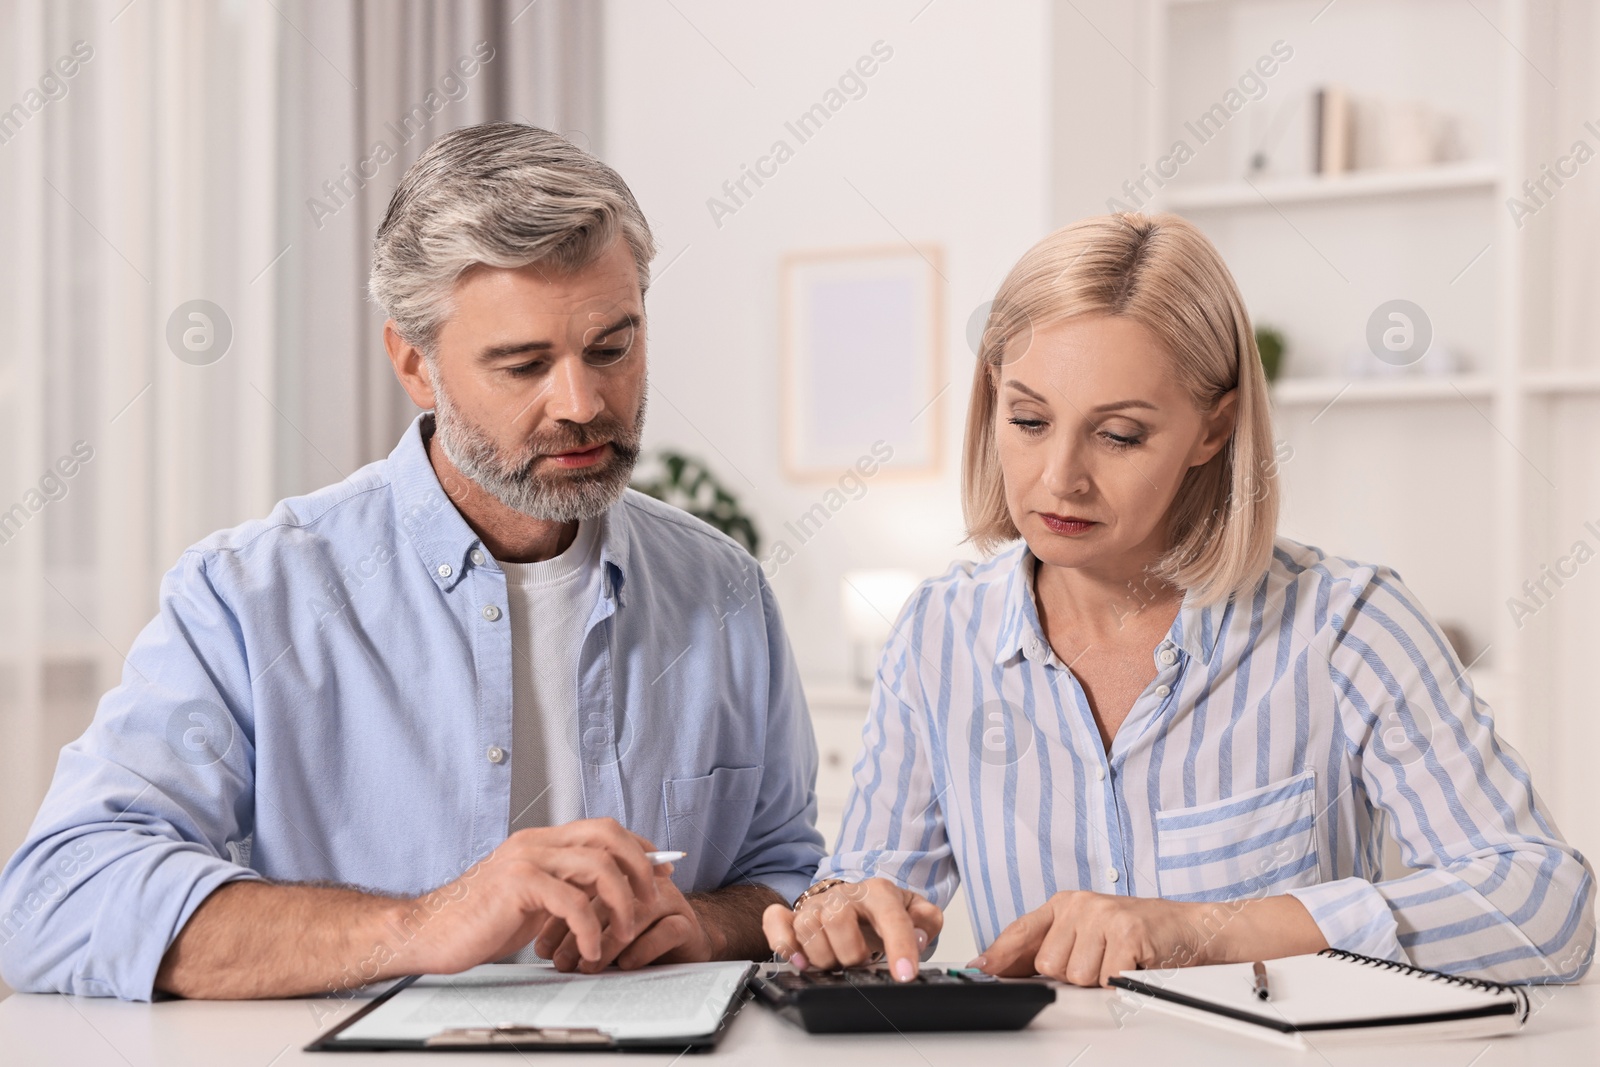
{"x": 549, "y": 603}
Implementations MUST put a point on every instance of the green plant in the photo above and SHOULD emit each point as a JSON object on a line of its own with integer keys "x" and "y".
{"x": 1271, "y": 345}
{"x": 687, "y": 483}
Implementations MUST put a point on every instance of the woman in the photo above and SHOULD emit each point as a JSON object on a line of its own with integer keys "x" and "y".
{"x": 1149, "y": 733}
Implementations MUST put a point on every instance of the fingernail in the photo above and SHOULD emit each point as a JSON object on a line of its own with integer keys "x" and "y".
{"x": 798, "y": 961}
{"x": 922, "y": 939}
{"x": 980, "y": 963}
{"x": 905, "y": 970}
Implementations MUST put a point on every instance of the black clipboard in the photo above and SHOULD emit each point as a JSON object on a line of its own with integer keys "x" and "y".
{"x": 524, "y": 1038}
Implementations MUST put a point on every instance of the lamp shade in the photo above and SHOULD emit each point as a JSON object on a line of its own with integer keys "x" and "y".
{"x": 872, "y": 599}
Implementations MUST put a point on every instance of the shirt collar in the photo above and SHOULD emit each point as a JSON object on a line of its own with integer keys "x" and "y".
{"x": 1194, "y": 630}
{"x": 442, "y": 538}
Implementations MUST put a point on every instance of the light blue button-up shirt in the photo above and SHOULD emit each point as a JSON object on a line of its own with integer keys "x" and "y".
{"x": 326, "y": 695}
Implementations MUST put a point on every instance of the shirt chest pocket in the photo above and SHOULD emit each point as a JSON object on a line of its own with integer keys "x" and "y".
{"x": 1253, "y": 844}
{"x": 709, "y": 817}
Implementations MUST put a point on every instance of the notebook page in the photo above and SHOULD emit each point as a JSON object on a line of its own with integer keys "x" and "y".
{"x": 682, "y": 1000}
{"x": 1307, "y": 990}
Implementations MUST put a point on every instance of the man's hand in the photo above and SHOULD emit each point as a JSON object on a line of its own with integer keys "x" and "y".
{"x": 568, "y": 872}
{"x": 1084, "y": 938}
{"x": 845, "y": 925}
{"x": 721, "y": 924}
{"x": 671, "y": 931}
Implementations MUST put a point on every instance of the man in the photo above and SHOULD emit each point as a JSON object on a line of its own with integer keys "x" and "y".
{"x": 435, "y": 715}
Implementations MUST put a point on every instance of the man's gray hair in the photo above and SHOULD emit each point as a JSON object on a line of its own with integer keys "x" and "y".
{"x": 502, "y": 194}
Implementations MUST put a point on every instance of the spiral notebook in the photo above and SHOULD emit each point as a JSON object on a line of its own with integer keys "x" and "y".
{"x": 1330, "y": 997}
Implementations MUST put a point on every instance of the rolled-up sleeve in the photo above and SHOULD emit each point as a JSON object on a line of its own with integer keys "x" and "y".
{"x": 783, "y": 846}
{"x": 1497, "y": 892}
{"x": 148, "y": 813}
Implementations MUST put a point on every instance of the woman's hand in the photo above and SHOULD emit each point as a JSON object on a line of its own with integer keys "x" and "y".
{"x": 845, "y": 925}
{"x": 1084, "y": 938}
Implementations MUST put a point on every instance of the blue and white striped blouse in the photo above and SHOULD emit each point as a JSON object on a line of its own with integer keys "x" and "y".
{"x": 1282, "y": 730}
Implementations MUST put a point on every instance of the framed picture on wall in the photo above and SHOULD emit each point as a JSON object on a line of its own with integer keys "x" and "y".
{"x": 862, "y": 368}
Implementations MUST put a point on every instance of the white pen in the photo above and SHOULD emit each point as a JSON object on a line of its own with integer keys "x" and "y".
{"x": 658, "y": 858}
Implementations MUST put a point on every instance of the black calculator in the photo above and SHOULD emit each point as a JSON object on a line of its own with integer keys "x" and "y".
{"x": 869, "y": 1000}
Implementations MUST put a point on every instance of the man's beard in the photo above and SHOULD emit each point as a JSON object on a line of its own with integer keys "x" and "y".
{"x": 555, "y": 494}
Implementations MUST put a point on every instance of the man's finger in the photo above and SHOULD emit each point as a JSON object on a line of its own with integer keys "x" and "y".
{"x": 624, "y": 847}
{"x": 571, "y": 904}
{"x": 667, "y": 934}
{"x": 550, "y": 938}
{"x": 598, "y": 871}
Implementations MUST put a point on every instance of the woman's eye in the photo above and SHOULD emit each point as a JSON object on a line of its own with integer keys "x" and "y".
{"x": 1028, "y": 426}
{"x": 1120, "y": 441}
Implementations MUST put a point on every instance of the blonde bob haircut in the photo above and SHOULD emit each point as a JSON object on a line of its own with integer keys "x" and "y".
{"x": 1161, "y": 272}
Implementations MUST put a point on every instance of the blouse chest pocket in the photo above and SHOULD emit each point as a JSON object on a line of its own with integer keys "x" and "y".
{"x": 1253, "y": 844}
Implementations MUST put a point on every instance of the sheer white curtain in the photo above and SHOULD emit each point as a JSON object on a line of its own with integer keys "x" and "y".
{"x": 237, "y": 153}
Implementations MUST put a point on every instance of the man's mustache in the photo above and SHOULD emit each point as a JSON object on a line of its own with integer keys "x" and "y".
{"x": 573, "y": 437}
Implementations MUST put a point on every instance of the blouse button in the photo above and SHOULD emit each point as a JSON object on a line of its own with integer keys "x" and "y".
{"x": 1112, "y": 874}
{"x": 1168, "y": 657}
{"x": 1163, "y": 690}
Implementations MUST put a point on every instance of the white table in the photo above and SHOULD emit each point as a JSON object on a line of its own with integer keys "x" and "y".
{"x": 1079, "y": 1030}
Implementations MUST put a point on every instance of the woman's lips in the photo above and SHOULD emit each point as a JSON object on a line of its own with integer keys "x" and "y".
{"x": 585, "y": 458}
{"x": 1067, "y": 525}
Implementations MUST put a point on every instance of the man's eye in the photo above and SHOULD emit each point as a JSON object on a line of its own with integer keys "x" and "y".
{"x": 523, "y": 370}
{"x": 600, "y": 357}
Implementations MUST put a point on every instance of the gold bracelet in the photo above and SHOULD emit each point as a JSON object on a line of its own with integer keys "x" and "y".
{"x": 820, "y": 887}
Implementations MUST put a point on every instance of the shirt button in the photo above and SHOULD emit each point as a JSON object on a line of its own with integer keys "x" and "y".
{"x": 1100, "y": 773}
{"x": 1112, "y": 874}
{"x": 491, "y": 612}
{"x": 1168, "y": 656}
{"x": 1163, "y": 690}
{"x": 496, "y": 754}
{"x": 445, "y": 571}
{"x": 477, "y": 558}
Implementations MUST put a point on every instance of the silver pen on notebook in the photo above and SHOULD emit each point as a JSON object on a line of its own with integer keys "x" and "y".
{"x": 1260, "y": 985}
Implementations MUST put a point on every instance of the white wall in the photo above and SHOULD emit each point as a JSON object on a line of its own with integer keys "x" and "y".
{"x": 947, "y": 146}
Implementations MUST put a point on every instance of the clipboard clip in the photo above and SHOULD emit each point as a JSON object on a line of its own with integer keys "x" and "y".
{"x": 489, "y": 1036}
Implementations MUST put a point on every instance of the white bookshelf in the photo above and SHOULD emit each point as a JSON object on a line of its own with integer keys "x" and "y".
{"x": 1441, "y": 475}
{"x": 1354, "y": 185}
